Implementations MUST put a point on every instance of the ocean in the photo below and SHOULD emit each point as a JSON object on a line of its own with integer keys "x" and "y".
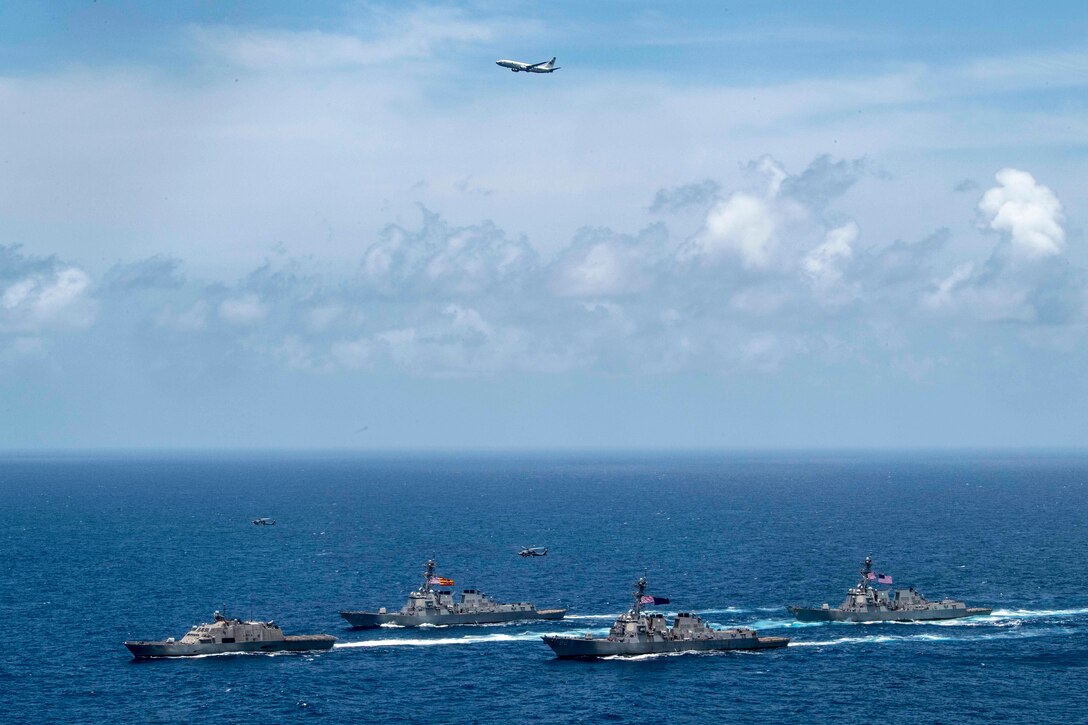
{"x": 102, "y": 548}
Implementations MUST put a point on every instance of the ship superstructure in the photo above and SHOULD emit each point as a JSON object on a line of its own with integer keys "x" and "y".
{"x": 224, "y": 634}
{"x": 638, "y": 632}
{"x": 434, "y": 604}
{"x": 866, "y": 602}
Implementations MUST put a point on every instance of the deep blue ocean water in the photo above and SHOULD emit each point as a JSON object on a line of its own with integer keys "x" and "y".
{"x": 100, "y": 549}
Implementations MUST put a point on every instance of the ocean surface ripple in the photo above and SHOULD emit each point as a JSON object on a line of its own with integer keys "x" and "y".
{"x": 103, "y": 548}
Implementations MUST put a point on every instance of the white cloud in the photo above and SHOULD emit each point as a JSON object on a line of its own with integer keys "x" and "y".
{"x": 766, "y": 351}
{"x": 742, "y": 225}
{"x": 298, "y": 354}
{"x": 438, "y": 259}
{"x": 601, "y": 263}
{"x": 442, "y": 300}
{"x": 825, "y": 265}
{"x": 1027, "y": 211}
{"x": 54, "y": 297}
{"x": 244, "y": 310}
{"x": 943, "y": 297}
{"x": 1026, "y": 278}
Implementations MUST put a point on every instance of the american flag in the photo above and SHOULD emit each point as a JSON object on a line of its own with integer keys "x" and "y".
{"x": 883, "y": 579}
{"x": 647, "y": 599}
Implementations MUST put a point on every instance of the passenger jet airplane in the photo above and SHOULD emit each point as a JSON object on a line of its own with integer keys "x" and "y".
{"x": 546, "y": 66}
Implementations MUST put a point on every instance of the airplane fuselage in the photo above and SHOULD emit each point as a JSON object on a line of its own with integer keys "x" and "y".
{"x": 519, "y": 67}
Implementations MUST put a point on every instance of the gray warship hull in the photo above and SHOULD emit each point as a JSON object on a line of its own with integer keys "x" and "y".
{"x": 819, "y": 614}
{"x": 367, "y": 620}
{"x": 296, "y": 643}
{"x": 587, "y": 649}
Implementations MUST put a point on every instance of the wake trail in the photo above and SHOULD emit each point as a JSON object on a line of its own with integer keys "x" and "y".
{"x": 888, "y": 638}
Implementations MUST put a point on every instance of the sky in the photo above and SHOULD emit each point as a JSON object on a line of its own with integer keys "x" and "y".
{"x": 763, "y": 225}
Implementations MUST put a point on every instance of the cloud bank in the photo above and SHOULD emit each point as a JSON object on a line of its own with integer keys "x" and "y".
{"x": 770, "y": 273}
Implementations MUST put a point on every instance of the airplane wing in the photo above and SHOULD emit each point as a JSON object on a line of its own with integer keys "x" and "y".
{"x": 537, "y": 65}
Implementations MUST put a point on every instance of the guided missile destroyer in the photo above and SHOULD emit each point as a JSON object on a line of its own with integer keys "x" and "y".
{"x": 230, "y": 635}
{"x": 639, "y": 633}
{"x": 866, "y": 603}
{"x": 428, "y": 605}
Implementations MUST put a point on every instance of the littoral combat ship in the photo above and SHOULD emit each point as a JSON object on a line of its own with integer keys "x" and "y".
{"x": 866, "y": 603}
{"x": 640, "y": 633}
{"x": 230, "y": 635}
{"x": 428, "y": 605}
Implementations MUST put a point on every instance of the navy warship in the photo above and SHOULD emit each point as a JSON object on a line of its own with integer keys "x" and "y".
{"x": 430, "y": 605}
{"x": 639, "y": 633}
{"x": 230, "y": 635}
{"x": 865, "y": 603}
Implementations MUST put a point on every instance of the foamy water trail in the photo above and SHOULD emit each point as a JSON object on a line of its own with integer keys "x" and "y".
{"x": 1006, "y": 623}
{"x": 998, "y": 618}
{"x": 1037, "y": 613}
{"x": 727, "y": 610}
{"x": 781, "y": 624}
{"x": 689, "y": 653}
{"x": 437, "y": 641}
{"x": 652, "y": 656}
{"x": 929, "y": 637}
{"x": 241, "y": 654}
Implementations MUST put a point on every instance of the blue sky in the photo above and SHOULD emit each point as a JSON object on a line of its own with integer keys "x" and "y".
{"x": 341, "y": 225}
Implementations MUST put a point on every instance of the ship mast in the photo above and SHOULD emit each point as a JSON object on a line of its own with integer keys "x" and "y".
{"x": 639, "y": 591}
{"x": 866, "y": 568}
{"x": 428, "y": 574}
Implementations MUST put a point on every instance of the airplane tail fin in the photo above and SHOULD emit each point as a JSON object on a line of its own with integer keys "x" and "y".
{"x": 551, "y": 63}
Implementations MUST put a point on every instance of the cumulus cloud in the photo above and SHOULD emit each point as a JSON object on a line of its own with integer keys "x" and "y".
{"x": 766, "y": 278}
{"x": 439, "y": 259}
{"x": 742, "y": 225}
{"x": 601, "y": 263}
{"x": 1027, "y": 212}
{"x": 771, "y": 229}
{"x": 37, "y": 293}
{"x": 1026, "y": 278}
{"x": 825, "y": 265}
